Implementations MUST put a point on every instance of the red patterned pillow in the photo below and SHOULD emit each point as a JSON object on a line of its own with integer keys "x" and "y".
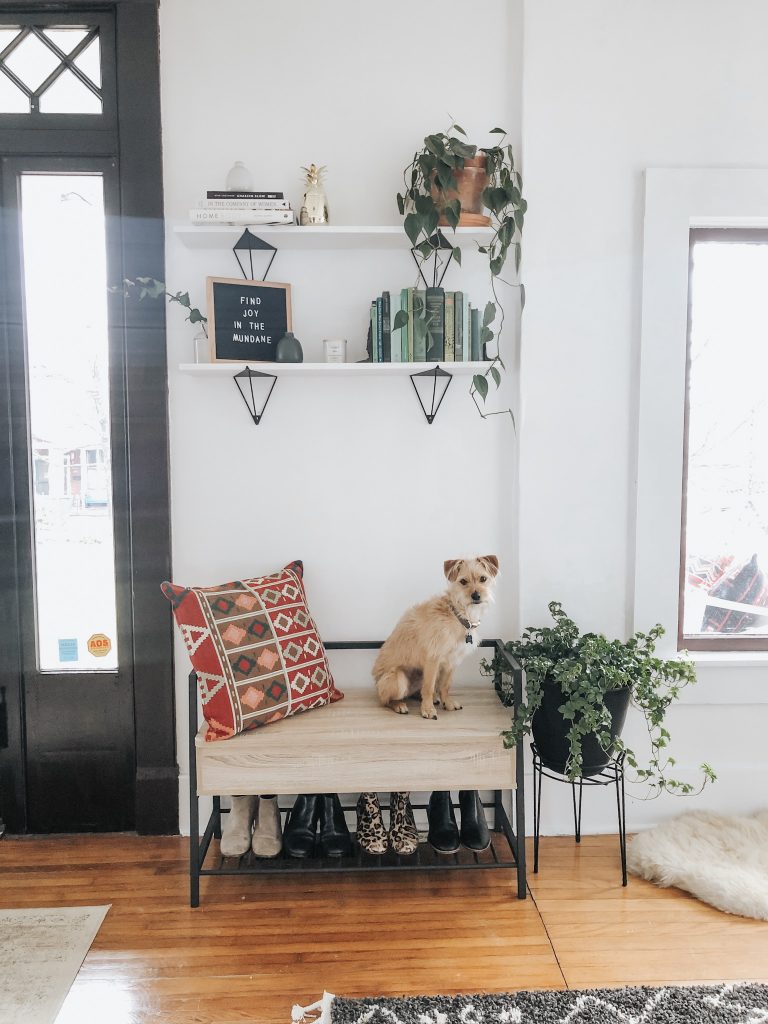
{"x": 255, "y": 648}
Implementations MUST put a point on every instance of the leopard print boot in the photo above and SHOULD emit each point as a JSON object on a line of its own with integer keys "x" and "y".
{"x": 402, "y": 828}
{"x": 371, "y": 834}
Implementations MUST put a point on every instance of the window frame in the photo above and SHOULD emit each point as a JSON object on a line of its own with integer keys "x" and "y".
{"x": 106, "y": 121}
{"x": 676, "y": 202}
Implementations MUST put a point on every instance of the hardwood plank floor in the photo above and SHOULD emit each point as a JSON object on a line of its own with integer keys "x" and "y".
{"x": 256, "y": 946}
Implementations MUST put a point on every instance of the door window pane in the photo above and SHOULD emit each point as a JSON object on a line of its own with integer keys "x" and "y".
{"x": 65, "y": 294}
{"x": 12, "y": 99}
{"x": 32, "y": 61}
{"x": 68, "y": 95}
{"x": 726, "y": 516}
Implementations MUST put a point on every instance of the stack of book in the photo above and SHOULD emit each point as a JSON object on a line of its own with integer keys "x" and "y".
{"x": 243, "y": 208}
{"x": 436, "y": 326}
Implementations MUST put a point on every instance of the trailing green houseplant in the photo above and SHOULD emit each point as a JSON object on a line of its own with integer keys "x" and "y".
{"x": 585, "y": 668}
{"x": 430, "y": 188}
{"x": 151, "y": 288}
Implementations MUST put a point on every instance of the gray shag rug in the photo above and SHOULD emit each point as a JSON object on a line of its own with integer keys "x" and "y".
{"x": 698, "y": 1004}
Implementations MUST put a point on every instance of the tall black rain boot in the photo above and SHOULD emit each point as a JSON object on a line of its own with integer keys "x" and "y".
{"x": 443, "y": 833}
{"x": 474, "y": 828}
{"x": 299, "y": 832}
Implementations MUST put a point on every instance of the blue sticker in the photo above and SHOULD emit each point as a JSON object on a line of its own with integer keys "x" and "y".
{"x": 68, "y": 650}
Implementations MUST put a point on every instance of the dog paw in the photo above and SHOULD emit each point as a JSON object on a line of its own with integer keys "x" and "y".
{"x": 428, "y": 712}
{"x": 451, "y": 705}
{"x": 399, "y": 707}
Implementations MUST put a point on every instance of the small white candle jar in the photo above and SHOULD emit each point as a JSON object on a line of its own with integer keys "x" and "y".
{"x": 335, "y": 350}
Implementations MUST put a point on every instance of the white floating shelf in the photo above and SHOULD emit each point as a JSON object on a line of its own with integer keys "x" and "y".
{"x": 329, "y": 369}
{"x": 327, "y": 236}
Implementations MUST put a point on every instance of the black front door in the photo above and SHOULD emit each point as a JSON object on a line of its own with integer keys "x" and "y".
{"x": 86, "y": 713}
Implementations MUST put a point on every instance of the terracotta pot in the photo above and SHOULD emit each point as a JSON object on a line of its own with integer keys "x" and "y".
{"x": 471, "y": 179}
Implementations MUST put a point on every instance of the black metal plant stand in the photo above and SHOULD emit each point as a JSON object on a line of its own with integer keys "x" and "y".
{"x": 612, "y": 774}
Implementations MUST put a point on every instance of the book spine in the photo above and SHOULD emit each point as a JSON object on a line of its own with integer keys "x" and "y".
{"x": 244, "y": 204}
{"x": 403, "y": 337}
{"x": 475, "y": 332}
{"x": 379, "y": 331}
{"x": 386, "y": 327}
{"x": 450, "y": 328}
{"x": 459, "y": 327}
{"x": 419, "y": 326}
{"x": 223, "y": 194}
{"x": 467, "y": 341}
{"x": 410, "y": 324}
{"x": 435, "y": 325}
{"x": 244, "y": 217}
{"x": 372, "y": 332}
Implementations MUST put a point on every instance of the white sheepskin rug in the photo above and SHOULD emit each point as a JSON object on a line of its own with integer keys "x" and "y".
{"x": 720, "y": 859}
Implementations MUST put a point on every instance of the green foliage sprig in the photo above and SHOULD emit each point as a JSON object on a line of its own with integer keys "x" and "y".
{"x": 587, "y": 666}
{"x": 427, "y": 181}
{"x": 151, "y": 288}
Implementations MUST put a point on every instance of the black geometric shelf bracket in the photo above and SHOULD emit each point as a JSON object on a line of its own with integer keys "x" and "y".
{"x": 440, "y": 245}
{"x": 248, "y": 242}
{"x": 428, "y": 379}
{"x": 250, "y": 398}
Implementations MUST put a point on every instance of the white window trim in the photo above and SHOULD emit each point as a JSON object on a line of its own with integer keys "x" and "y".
{"x": 675, "y": 201}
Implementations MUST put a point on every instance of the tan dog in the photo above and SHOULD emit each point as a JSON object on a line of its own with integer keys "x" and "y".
{"x": 431, "y": 639}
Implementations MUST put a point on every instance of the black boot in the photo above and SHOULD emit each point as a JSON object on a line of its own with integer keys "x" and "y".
{"x": 474, "y": 828}
{"x": 443, "y": 833}
{"x": 299, "y": 833}
{"x": 334, "y": 834}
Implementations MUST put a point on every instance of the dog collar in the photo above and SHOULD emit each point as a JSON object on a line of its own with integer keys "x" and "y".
{"x": 468, "y": 639}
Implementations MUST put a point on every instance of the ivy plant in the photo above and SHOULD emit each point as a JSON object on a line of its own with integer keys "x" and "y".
{"x": 151, "y": 288}
{"x": 587, "y": 666}
{"x": 428, "y": 180}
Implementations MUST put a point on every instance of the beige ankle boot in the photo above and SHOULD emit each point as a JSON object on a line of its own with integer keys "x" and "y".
{"x": 236, "y": 826}
{"x": 267, "y": 835}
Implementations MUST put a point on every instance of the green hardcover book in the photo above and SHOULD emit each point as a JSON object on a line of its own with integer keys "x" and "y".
{"x": 411, "y": 292}
{"x": 374, "y": 333}
{"x": 379, "y": 331}
{"x": 419, "y": 326}
{"x": 435, "y": 325}
{"x": 466, "y": 339}
{"x": 458, "y": 329}
{"x": 404, "y": 329}
{"x": 386, "y": 328}
{"x": 475, "y": 331}
{"x": 450, "y": 327}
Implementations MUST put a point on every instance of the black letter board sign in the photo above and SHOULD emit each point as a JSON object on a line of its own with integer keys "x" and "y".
{"x": 246, "y": 319}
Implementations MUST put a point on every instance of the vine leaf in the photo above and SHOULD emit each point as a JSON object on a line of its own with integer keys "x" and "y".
{"x": 481, "y": 385}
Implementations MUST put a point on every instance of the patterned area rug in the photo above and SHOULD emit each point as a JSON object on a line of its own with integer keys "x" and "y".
{"x": 699, "y": 1004}
{"x": 40, "y": 954}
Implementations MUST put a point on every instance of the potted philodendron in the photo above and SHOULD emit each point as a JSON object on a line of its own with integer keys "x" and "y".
{"x": 449, "y": 182}
{"x": 578, "y": 687}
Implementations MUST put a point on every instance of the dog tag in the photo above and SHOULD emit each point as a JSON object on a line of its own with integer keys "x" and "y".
{"x": 468, "y": 639}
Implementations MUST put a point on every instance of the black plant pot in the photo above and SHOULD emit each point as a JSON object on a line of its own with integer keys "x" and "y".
{"x": 550, "y": 730}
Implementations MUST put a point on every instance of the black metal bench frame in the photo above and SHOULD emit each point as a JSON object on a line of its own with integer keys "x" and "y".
{"x": 423, "y": 860}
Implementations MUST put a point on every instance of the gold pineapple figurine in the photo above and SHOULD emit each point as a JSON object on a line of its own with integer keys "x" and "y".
{"x": 314, "y": 209}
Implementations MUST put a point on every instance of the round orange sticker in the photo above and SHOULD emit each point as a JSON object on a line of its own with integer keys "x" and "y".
{"x": 99, "y": 645}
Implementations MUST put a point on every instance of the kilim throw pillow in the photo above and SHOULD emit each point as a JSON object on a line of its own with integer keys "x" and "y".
{"x": 255, "y": 649}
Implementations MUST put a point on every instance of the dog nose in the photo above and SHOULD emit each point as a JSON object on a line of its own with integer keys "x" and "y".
{"x": 475, "y": 596}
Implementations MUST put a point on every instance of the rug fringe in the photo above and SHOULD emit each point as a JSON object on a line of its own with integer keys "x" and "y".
{"x": 315, "y": 1013}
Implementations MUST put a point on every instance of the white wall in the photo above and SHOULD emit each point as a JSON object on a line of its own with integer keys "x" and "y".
{"x": 344, "y": 474}
{"x": 612, "y": 87}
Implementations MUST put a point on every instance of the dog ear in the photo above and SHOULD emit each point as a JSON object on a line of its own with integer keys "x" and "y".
{"x": 451, "y": 569}
{"x": 491, "y": 563}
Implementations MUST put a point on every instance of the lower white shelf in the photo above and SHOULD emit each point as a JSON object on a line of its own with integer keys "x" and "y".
{"x": 329, "y": 369}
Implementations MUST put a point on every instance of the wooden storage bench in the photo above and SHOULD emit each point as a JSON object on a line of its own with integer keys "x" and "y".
{"x": 355, "y": 746}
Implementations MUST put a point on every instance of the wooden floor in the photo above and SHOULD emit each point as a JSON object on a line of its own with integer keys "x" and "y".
{"x": 256, "y": 946}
